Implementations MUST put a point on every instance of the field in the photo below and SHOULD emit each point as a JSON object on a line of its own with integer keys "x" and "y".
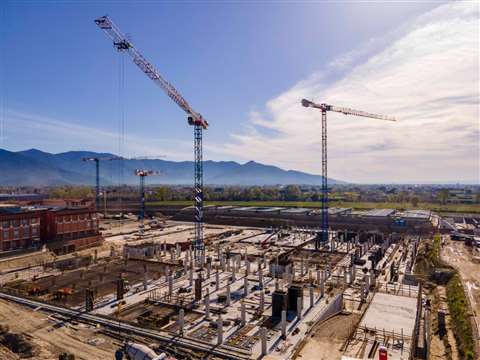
{"x": 460, "y": 208}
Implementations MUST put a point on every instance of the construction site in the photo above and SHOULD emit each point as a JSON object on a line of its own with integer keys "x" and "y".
{"x": 224, "y": 282}
{"x": 259, "y": 292}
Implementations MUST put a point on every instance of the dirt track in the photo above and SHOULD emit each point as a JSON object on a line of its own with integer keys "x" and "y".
{"x": 460, "y": 256}
{"x": 50, "y": 341}
{"x": 327, "y": 338}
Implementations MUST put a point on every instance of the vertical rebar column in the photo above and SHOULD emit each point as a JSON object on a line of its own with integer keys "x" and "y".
{"x": 142, "y": 204}
{"x": 198, "y": 193}
{"x": 97, "y": 184}
{"x": 324, "y": 180}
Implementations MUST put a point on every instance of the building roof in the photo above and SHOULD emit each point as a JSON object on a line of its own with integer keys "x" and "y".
{"x": 269, "y": 209}
{"x": 295, "y": 210}
{"x": 380, "y": 212}
{"x": 338, "y": 210}
{"x": 417, "y": 214}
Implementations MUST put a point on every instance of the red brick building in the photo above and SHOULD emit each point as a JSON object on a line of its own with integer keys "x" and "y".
{"x": 61, "y": 229}
{"x": 20, "y": 228}
{"x": 69, "y": 229}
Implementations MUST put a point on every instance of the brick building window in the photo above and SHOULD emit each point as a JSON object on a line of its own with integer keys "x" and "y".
{"x": 16, "y": 234}
{"x": 16, "y": 223}
{"x": 6, "y": 234}
{"x": 5, "y": 224}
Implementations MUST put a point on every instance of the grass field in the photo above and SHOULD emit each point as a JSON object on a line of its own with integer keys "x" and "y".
{"x": 462, "y": 208}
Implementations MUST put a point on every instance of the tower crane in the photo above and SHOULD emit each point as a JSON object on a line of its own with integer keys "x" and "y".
{"x": 142, "y": 173}
{"x": 121, "y": 43}
{"x": 97, "y": 175}
{"x": 346, "y": 111}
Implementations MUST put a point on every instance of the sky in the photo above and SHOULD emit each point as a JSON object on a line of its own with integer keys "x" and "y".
{"x": 245, "y": 66}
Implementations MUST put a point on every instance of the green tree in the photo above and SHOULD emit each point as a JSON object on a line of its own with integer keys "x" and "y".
{"x": 414, "y": 201}
{"x": 443, "y": 195}
{"x": 293, "y": 193}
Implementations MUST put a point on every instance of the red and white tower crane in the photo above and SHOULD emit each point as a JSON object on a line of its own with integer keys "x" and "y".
{"x": 194, "y": 119}
{"x": 346, "y": 111}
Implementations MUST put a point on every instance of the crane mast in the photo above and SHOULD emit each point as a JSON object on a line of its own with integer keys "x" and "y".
{"x": 142, "y": 174}
{"x": 194, "y": 119}
{"x": 346, "y": 111}
{"x": 97, "y": 175}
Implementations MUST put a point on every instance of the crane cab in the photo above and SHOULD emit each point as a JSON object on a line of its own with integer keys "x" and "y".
{"x": 197, "y": 120}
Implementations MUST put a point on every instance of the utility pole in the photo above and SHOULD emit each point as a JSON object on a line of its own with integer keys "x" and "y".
{"x": 143, "y": 174}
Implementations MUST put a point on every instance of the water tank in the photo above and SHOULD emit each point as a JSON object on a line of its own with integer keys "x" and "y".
{"x": 279, "y": 303}
{"x": 294, "y": 292}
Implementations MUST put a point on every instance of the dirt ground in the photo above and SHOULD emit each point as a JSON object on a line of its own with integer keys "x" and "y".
{"x": 84, "y": 341}
{"x": 460, "y": 256}
{"x": 327, "y": 338}
{"x": 441, "y": 348}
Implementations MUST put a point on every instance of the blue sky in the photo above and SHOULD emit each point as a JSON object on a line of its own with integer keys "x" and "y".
{"x": 242, "y": 65}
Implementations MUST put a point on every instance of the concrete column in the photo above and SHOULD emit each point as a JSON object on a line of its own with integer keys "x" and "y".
{"x": 247, "y": 266}
{"x": 219, "y": 330}
{"x": 312, "y": 299}
{"x": 207, "y": 304}
{"x": 263, "y": 336}
{"x": 277, "y": 286}
{"x": 187, "y": 255}
{"x": 227, "y": 301}
{"x": 345, "y": 276}
{"x": 209, "y": 269}
{"x": 217, "y": 280}
{"x": 170, "y": 285}
{"x": 145, "y": 277}
{"x": 178, "y": 250}
{"x": 181, "y": 315}
{"x": 319, "y": 276}
{"x": 229, "y": 260}
{"x": 234, "y": 273}
{"x": 301, "y": 267}
{"x": 284, "y": 324}
{"x": 366, "y": 280}
{"x": 190, "y": 279}
{"x": 245, "y": 286}
{"x": 261, "y": 305}
{"x": 322, "y": 289}
{"x": 243, "y": 314}
{"x": 354, "y": 273}
{"x": 299, "y": 307}
{"x": 222, "y": 261}
{"x": 260, "y": 277}
{"x": 372, "y": 278}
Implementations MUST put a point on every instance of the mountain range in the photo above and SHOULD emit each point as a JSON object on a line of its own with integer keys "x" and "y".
{"x": 38, "y": 168}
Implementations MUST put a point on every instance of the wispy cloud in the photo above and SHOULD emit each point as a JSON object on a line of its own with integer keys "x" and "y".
{"x": 44, "y": 132}
{"x": 428, "y": 77}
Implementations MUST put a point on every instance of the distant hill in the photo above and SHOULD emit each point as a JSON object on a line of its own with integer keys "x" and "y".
{"x": 37, "y": 168}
